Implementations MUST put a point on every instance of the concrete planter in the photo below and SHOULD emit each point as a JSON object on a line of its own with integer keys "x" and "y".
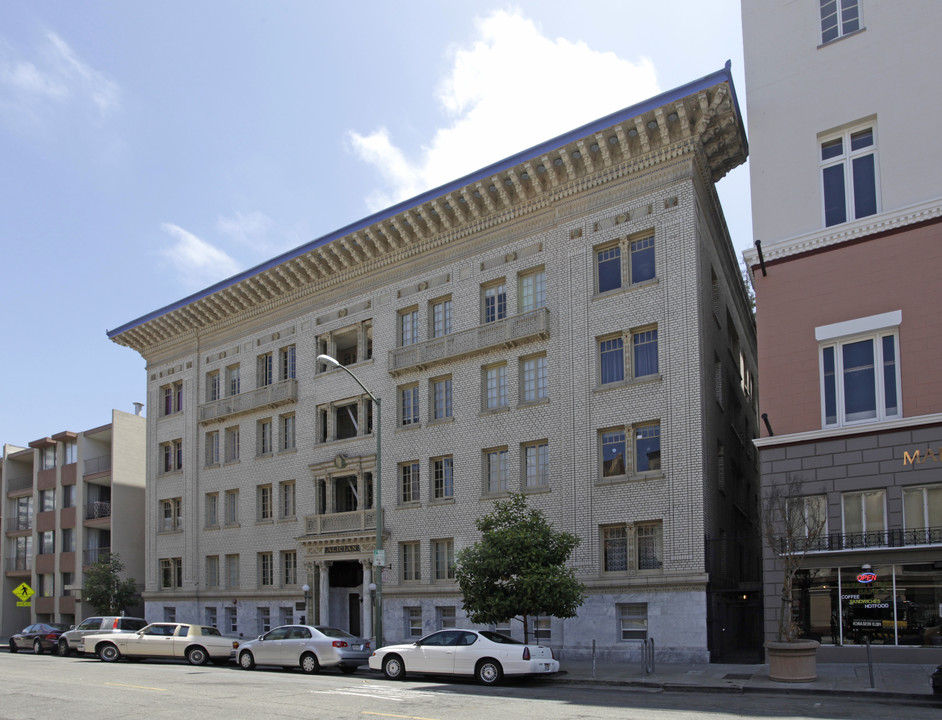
{"x": 794, "y": 661}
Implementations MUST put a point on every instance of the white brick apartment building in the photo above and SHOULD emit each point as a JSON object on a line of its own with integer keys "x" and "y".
{"x": 569, "y": 323}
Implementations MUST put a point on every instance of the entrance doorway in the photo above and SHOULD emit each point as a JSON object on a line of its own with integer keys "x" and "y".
{"x": 354, "y": 613}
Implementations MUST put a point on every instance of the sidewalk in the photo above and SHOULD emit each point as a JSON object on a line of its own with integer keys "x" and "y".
{"x": 889, "y": 680}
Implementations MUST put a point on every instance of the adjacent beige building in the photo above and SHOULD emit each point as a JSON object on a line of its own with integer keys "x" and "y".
{"x": 67, "y": 500}
{"x": 569, "y": 323}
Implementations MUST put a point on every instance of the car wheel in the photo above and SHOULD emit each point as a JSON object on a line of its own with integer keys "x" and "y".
{"x": 246, "y": 661}
{"x": 393, "y": 668}
{"x": 197, "y": 656}
{"x": 489, "y": 672}
{"x": 37, "y": 647}
{"x": 109, "y": 653}
{"x": 64, "y": 650}
{"x": 348, "y": 669}
{"x": 309, "y": 664}
{"x": 13, "y": 647}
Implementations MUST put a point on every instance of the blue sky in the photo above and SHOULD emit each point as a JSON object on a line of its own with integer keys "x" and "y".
{"x": 148, "y": 150}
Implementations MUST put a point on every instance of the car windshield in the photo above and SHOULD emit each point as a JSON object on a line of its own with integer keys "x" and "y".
{"x": 498, "y": 638}
{"x": 334, "y": 632}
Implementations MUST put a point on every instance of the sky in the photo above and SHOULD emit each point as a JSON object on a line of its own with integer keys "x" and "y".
{"x": 150, "y": 149}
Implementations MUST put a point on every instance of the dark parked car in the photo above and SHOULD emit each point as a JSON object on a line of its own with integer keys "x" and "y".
{"x": 40, "y": 637}
{"x": 935, "y": 679}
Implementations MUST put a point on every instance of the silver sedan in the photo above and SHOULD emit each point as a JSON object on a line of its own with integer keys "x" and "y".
{"x": 308, "y": 647}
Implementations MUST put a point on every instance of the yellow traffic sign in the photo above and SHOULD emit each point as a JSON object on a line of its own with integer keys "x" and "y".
{"x": 24, "y": 592}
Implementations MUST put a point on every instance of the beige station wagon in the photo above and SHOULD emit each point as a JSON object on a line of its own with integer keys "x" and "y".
{"x": 197, "y": 644}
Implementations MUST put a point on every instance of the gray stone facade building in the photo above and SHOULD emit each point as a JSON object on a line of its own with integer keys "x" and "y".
{"x": 569, "y": 323}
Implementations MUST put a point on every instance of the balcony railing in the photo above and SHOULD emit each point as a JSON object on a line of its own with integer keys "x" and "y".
{"x": 97, "y": 509}
{"x": 92, "y": 555}
{"x": 356, "y": 521}
{"x": 99, "y": 464}
{"x": 19, "y": 563}
{"x": 509, "y": 332}
{"x": 17, "y": 524}
{"x": 19, "y": 483}
{"x": 272, "y": 395}
{"x": 835, "y": 542}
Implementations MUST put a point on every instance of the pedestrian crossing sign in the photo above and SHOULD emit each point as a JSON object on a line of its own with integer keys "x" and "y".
{"x": 24, "y": 592}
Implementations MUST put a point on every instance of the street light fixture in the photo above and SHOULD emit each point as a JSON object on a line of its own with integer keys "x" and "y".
{"x": 377, "y": 494}
{"x": 306, "y": 589}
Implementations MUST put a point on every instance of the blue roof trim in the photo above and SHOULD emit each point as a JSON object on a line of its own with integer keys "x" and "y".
{"x": 602, "y": 123}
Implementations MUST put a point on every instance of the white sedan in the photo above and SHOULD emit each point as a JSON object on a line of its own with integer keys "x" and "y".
{"x": 486, "y": 655}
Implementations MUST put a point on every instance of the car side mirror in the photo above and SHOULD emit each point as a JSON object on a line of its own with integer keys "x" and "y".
{"x": 71, "y": 627}
{"x": 259, "y": 637}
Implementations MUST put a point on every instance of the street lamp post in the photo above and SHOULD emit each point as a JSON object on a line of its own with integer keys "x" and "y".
{"x": 377, "y": 495}
{"x": 306, "y": 589}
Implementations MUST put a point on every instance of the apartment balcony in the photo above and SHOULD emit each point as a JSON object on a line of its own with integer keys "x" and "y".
{"x": 92, "y": 555}
{"x": 97, "y": 509}
{"x": 509, "y": 332}
{"x": 19, "y": 564}
{"x": 279, "y": 393}
{"x": 19, "y": 524}
{"x": 97, "y": 465}
{"x": 19, "y": 483}
{"x": 357, "y": 521}
{"x": 837, "y": 542}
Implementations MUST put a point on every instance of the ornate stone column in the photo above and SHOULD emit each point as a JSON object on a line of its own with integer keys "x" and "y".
{"x": 324, "y": 616}
{"x": 367, "y": 605}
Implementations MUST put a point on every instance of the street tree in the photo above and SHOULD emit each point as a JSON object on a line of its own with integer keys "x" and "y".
{"x": 104, "y": 589}
{"x": 518, "y": 569}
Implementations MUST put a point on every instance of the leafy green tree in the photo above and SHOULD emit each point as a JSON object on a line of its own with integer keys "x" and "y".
{"x": 518, "y": 568}
{"x": 104, "y": 589}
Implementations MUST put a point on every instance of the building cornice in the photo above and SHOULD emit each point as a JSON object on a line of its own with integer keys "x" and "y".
{"x": 835, "y": 433}
{"x": 848, "y": 232}
{"x": 700, "y": 117}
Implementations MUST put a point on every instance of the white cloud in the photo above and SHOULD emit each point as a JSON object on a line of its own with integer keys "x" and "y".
{"x": 196, "y": 262}
{"x": 490, "y": 113}
{"x": 258, "y": 233}
{"x": 58, "y": 77}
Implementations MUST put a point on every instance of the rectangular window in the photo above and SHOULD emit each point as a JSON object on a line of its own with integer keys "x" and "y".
{"x": 632, "y": 547}
{"x": 47, "y": 500}
{"x": 232, "y": 571}
{"x": 409, "y": 405}
{"x": 532, "y": 291}
{"x": 612, "y": 360}
{"x": 212, "y": 571}
{"x": 47, "y": 542}
{"x": 536, "y": 464}
{"x": 68, "y": 539}
{"x": 265, "y": 502}
{"x": 171, "y": 573}
{"x": 643, "y": 360}
{"x": 441, "y": 398}
{"x": 446, "y": 617}
{"x": 410, "y": 562}
{"x": 287, "y": 432}
{"x": 864, "y": 518}
{"x": 615, "y": 548}
{"x": 289, "y": 567}
{"x": 922, "y": 513}
{"x": 860, "y": 380}
{"x": 264, "y": 437}
{"x": 495, "y": 302}
{"x": 213, "y": 386}
{"x": 232, "y": 444}
{"x": 287, "y": 616}
{"x": 264, "y": 619}
{"x": 232, "y": 620}
{"x": 649, "y": 541}
{"x": 608, "y": 268}
{"x": 47, "y": 458}
{"x": 443, "y": 485}
{"x": 542, "y": 629}
{"x": 409, "y": 482}
{"x": 287, "y": 499}
{"x": 266, "y": 370}
{"x": 443, "y": 559}
{"x": 642, "y": 259}
{"x": 212, "y": 509}
{"x": 414, "y": 622}
{"x": 172, "y": 398}
{"x": 644, "y": 344}
{"x": 633, "y": 621}
{"x": 614, "y": 449}
{"x": 838, "y": 18}
{"x": 495, "y": 470}
{"x": 495, "y": 387}
{"x": 171, "y": 515}
{"x": 441, "y": 317}
{"x": 849, "y": 175}
{"x": 212, "y": 617}
{"x": 266, "y": 570}
{"x": 534, "y": 380}
{"x": 232, "y": 507}
{"x": 408, "y": 327}
{"x": 68, "y": 496}
{"x": 212, "y": 448}
{"x": 287, "y": 363}
{"x": 71, "y": 452}
{"x": 648, "y": 447}
{"x": 232, "y": 380}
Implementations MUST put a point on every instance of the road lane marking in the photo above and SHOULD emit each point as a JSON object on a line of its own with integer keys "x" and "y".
{"x": 138, "y": 687}
{"x": 408, "y": 717}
